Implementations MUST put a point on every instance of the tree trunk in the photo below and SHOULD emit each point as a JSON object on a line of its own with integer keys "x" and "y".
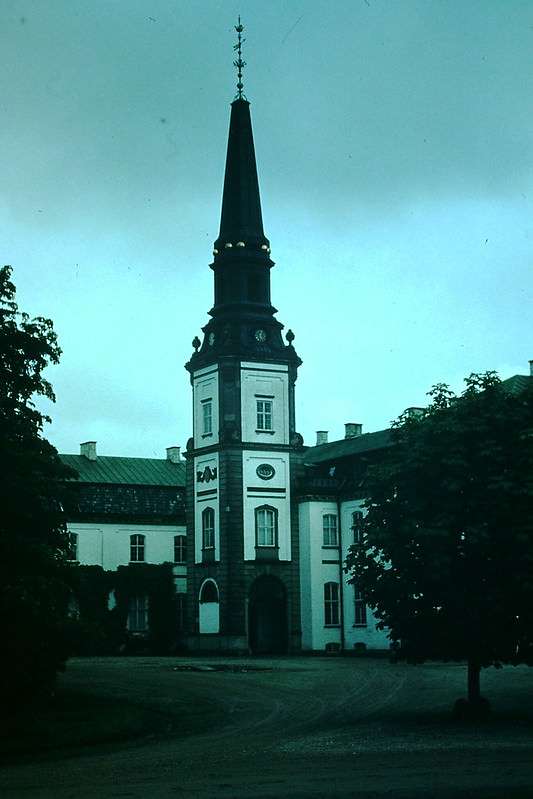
{"x": 473, "y": 682}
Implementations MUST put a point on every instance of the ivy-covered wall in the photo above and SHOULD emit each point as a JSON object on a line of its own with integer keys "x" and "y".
{"x": 100, "y": 605}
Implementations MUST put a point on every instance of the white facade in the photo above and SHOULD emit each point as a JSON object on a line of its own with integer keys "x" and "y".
{"x": 333, "y": 616}
{"x": 266, "y": 484}
{"x": 205, "y": 407}
{"x": 265, "y": 386}
{"x": 112, "y": 545}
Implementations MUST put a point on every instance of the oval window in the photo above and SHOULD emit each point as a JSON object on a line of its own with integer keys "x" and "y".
{"x": 265, "y": 471}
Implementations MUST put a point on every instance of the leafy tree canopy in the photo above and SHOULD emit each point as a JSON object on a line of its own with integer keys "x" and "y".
{"x": 32, "y": 536}
{"x": 446, "y": 560}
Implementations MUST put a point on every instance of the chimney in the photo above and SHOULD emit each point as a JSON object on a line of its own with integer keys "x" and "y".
{"x": 414, "y": 413}
{"x": 352, "y": 430}
{"x": 531, "y": 368}
{"x": 174, "y": 454}
{"x": 89, "y": 450}
{"x": 321, "y": 437}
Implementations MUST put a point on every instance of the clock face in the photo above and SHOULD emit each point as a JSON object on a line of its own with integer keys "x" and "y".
{"x": 260, "y": 335}
{"x": 211, "y": 339}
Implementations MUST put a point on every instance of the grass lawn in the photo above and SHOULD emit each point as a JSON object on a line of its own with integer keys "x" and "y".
{"x": 72, "y": 719}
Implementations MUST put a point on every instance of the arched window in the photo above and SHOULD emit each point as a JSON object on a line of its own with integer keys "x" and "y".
{"x": 331, "y": 604}
{"x": 329, "y": 530}
{"x": 209, "y": 592}
{"x": 138, "y": 614}
{"x": 266, "y": 532}
{"x": 357, "y": 526}
{"x": 209, "y": 609}
{"x": 137, "y": 548}
{"x": 180, "y": 549}
{"x": 208, "y": 528}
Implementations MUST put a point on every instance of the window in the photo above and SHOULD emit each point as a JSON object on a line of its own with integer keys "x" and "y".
{"x": 71, "y": 549}
{"x": 209, "y": 609}
{"x": 207, "y": 417}
{"x": 360, "y": 609}
{"x": 357, "y": 526}
{"x": 180, "y": 549}
{"x": 329, "y": 529}
{"x": 265, "y": 527}
{"x": 264, "y": 414}
{"x": 138, "y": 614}
{"x": 208, "y": 529}
{"x": 136, "y": 548}
{"x": 331, "y": 604}
{"x": 209, "y": 592}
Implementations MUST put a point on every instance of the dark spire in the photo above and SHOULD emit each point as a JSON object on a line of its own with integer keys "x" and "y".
{"x": 242, "y": 318}
{"x": 241, "y": 220}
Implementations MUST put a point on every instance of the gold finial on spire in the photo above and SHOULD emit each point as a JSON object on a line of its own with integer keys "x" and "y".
{"x": 239, "y": 64}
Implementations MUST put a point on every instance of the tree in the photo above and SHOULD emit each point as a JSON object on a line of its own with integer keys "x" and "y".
{"x": 33, "y": 596}
{"x": 446, "y": 560}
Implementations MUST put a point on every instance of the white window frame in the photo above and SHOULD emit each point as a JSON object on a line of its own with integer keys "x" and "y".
{"x": 266, "y": 525}
{"x": 207, "y": 417}
{"x": 208, "y": 528}
{"x": 330, "y": 530}
{"x": 265, "y": 414}
{"x": 180, "y": 548}
{"x": 357, "y": 529}
{"x": 331, "y": 604}
{"x": 138, "y": 614}
{"x": 137, "y": 548}
{"x": 359, "y": 609}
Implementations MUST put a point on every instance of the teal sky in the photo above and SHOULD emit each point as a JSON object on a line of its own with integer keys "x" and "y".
{"x": 394, "y": 149}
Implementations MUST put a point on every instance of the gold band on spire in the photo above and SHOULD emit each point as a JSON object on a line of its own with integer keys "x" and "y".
{"x": 239, "y": 64}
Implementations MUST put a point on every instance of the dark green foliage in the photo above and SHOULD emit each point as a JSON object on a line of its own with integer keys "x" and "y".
{"x": 157, "y": 582}
{"x": 90, "y": 624}
{"x": 447, "y": 557}
{"x": 103, "y": 601}
{"x": 33, "y": 599}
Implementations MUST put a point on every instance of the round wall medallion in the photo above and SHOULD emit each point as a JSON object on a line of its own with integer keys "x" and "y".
{"x": 265, "y": 471}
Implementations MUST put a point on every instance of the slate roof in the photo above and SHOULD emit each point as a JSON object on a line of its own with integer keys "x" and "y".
{"x": 348, "y": 447}
{"x": 132, "y": 490}
{"x": 127, "y": 471}
{"x": 518, "y": 384}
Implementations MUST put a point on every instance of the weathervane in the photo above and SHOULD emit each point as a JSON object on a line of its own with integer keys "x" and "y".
{"x": 239, "y": 64}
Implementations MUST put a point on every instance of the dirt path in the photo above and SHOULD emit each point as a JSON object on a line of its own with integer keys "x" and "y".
{"x": 301, "y": 728}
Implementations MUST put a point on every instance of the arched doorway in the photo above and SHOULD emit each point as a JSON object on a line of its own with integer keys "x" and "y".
{"x": 267, "y": 616}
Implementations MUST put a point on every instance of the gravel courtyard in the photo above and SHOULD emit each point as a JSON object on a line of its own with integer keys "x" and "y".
{"x": 305, "y": 728}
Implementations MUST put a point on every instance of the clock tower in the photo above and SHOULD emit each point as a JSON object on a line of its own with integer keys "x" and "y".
{"x": 242, "y": 461}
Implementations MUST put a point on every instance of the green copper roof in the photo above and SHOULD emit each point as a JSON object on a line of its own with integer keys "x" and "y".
{"x": 127, "y": 471}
